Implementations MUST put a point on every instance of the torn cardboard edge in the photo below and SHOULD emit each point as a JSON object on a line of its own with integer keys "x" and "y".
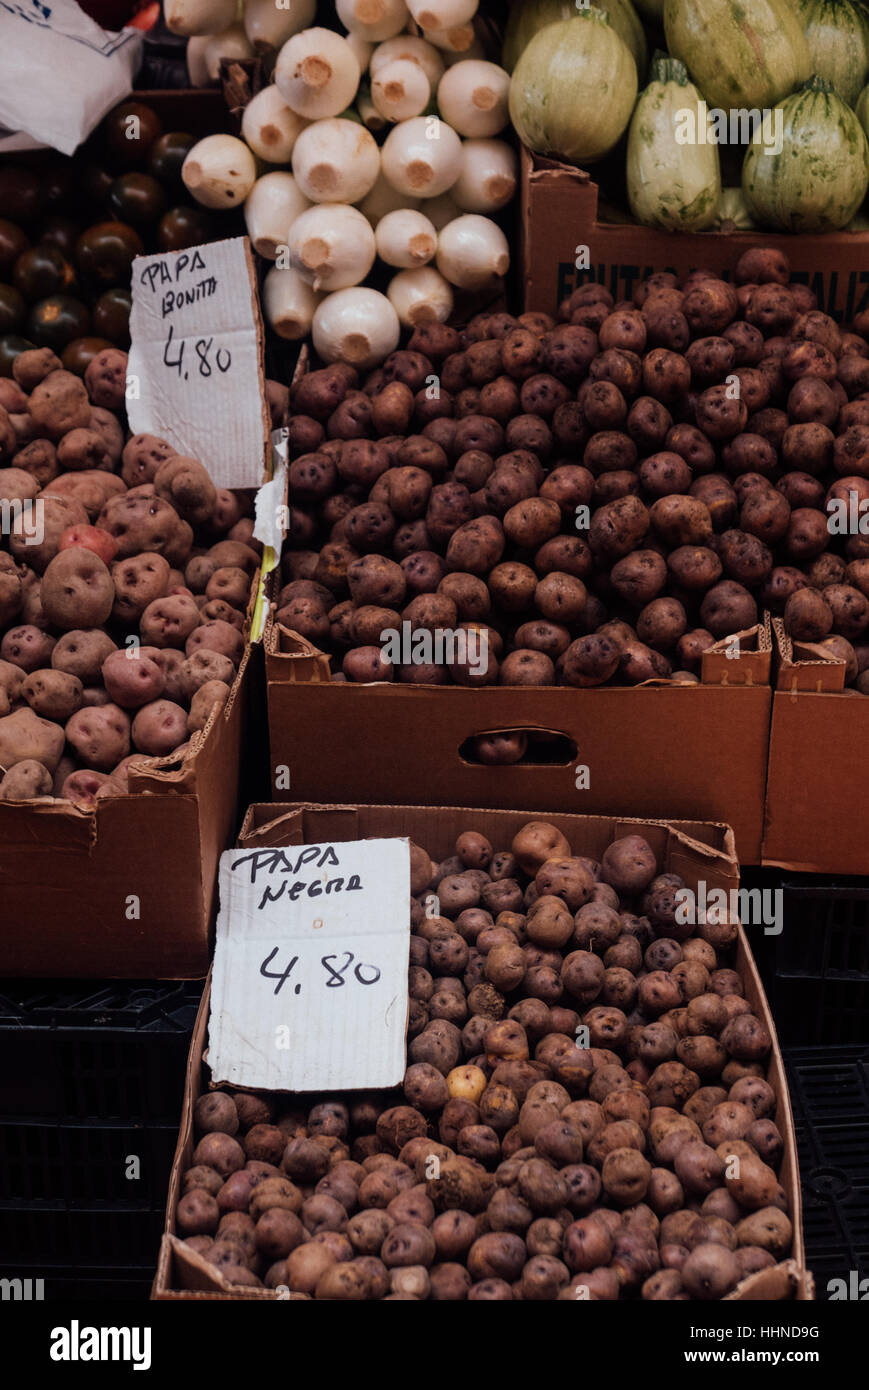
{"x": 805, "y": 666}
{"x": 184, "y": 1276}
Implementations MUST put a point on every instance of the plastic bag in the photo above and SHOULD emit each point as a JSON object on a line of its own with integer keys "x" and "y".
{"x": 59, "y": 73}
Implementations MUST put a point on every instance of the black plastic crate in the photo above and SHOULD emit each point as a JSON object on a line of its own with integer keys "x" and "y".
{"x": 41, "y": 1235}
{"x": 67, "y": 1285}
{"x": 820, "y": 962}
{"x": 829, "y": 1090}
{"x": 74, "y": 1050}
{"x": 81, "y": 1163}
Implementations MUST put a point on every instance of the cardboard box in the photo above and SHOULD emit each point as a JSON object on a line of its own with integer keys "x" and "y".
{"x": 657, "y": 750}
{"x": 817, "y": 816}
{"x": 126, "y": 891}
{"x": 692, "y": 849}
{"x": 559, "y": 213}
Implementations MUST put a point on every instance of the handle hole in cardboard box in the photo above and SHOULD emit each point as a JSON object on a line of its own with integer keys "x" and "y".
{"x": 528, "y": 747}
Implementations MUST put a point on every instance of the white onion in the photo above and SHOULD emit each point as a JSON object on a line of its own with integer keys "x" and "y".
{"x": 420, "y": 296}
{"x": 473, "y": 253}
{"x": 488, "y": 177}
{"x": 442, "y": 14}
{"x": 289, "y": 303}
{"x": 336, "y": 161}
{"x": 400, "y": 90}
{"x": 406, "y": 239}
{"x": 189, "y": 17}
{"x": 473, "y": 97}
{"x": 317, "y": 73}
{"x": 219, "y": 171}
{"x": 422, "y": 157}
{"x": 270, "y": 127}
{"x": 383, "y": 198}
{"x": 476, "y": 50}
{"x": 332, "y": 246}
{"x": 361, "y": 50}
{"x": 371, "y": 117}
{"x": 413, "y": 48}
{"x": 359, "y": 326}
{"x": 460, "y": 40}
{"x": 268, "y": 25}
{"x": 270, "y": 209}
{"x": 205, "y": 51}
{"x": 440, "y": 211}
{"x": 374, "y": 20}
{"x": 197, "y": 71}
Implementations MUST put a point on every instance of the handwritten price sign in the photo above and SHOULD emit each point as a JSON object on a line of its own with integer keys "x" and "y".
{"x": 309, "y": 988}
{"x": 195, "y": 368}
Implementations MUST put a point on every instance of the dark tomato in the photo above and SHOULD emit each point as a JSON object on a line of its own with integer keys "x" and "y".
{"x": 183, "y": 227}
{"x": 21, "y": 195}
{"x": 129, "y": 131}
{"x": 105, "y": 252}
{"x": 167, "y": 154}
{"x": 10, "y": 346}
{"x": 41, "y": 271}
{"x": 12, "y": 242}
{"x": 56, "y": 181}
{"x": 55, "y": 321}
{"x": 136, "y": 198}
{"x": 111, "y": 316}
{"x": 95, "y": 184}
{"x": 13, "y": 309}
{"x": 60, "y": 232}
{"x": 77, "y": 354}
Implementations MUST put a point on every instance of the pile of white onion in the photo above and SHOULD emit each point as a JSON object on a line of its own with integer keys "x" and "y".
{"x": 322, "y": 198}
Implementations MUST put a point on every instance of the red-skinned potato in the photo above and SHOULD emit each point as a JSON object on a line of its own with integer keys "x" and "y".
{"x": 132, "y": 679}
{"x": 100, "y": 736}
{"x": 77, "y": 590}
{"x": 159, "y": 728}
{"x": 90, "y": 538}
{"x": 24, "y": 737}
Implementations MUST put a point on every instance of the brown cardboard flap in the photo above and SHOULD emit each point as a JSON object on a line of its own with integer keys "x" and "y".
{"x": 541, "y": 167}
{"x": 775, "y": 1285}
{"x": 266, "y": 822}
{"x": 805, "y": 666}
{"x": 302, "y": 662}
{"x": 693, "y": 849}
{"x": 751, "y": 664}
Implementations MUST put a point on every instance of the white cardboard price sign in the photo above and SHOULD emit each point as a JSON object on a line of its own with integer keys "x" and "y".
{"x": 195, "y": 370}
{"x": 309, "y": 985}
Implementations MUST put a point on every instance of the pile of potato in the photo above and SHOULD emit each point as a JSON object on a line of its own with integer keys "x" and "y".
{"x": 604, "y": 496}
{"x": 519, "y": 1162}
{"x": 123, "y": 591}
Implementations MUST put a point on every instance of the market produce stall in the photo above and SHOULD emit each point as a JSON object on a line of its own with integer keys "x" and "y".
{"x": 420, "y": 405}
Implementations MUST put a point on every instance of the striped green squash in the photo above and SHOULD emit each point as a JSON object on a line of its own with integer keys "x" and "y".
{"x": 528, "y": 17}
{"x": 740, "y": 53}
{"x": 672, "y": 183}
{"x": 837, "y": 33}
{"x": 861, "y": 110}
{"x": 819, "y": 178}
{"x": 573, "y": 89}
